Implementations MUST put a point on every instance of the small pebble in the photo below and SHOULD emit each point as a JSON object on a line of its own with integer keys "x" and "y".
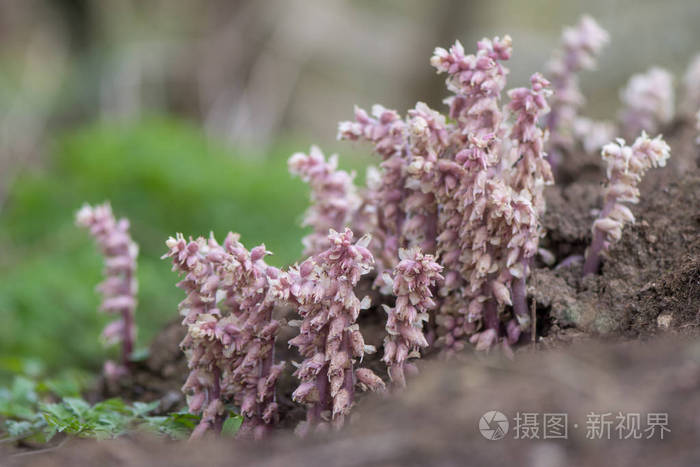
{"x": 664, "y": 321}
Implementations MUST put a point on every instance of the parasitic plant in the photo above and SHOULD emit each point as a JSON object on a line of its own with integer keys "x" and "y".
{"x": 413, "y": 279}
{"x": 120, "y": 285}
{"x": 469, "y": 189}
{"x": 230, "y": 337}
{"x": 333, "y": 196}
{"x": 626, "y": 166}
{"x": 648, "y": 102}
{"x": 580, "y": 46}
{"x": 322, "y": 290}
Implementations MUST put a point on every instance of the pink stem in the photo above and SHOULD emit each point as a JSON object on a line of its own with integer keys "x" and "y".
{"x": 592, "y": 264}
{"x": 520, "y": 308}
{"x": 128, "y": 337}
{"x": 206, "y": 423}
{"x": 314, "y": 413}
{"x": 349, "y": 382}
{"x": 491, "y": 320}
{"x": 128, "y": 330}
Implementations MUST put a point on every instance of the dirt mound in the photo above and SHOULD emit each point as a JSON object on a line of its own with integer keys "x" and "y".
{"x": 651, "y": 278}
{"x": 435, "y": 421}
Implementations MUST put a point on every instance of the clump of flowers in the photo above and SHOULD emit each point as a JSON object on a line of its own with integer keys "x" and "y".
{"x": 413, "y": 279}
{"x": 648, "y": 102}
{"x": 230, "y": 337}
{"x": 626, "y": 167}
{"x": 120, "y": 285}
{"x": 322, "y": 290}
{"x": 387, "y": 132}
{"x": 580, "y": 46}
{"x": 333, "y": 196}
{"x": 454, "y": 212}
{"x": 469, "y": 189}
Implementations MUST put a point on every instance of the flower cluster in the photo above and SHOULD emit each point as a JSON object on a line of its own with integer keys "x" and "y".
{"x": 454, "y": 212}
{"x": 470, "y": 190}
{"x": 120, "y": 286}
{"x": 230, "y": 331}
{"x": 648, "y": 102}
{"x": 580, "y": 46}
{"x": 498, "y": 231}
{"x": 333, "y": 196}
{"x": 529, "y": 104}
{"x": 626, "y": 166}
{"x": 322, "y": 290}
{"x": 477, "y": 82}
{"x": 412, "y": 279}
{"x": 387, "y": 132}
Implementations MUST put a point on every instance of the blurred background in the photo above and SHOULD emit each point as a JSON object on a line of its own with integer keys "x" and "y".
{"x": 182, "y": 113}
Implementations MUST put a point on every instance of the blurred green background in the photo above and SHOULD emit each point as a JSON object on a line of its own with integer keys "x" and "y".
{"x": 166, "y": 177}
{"x": 183, "y": 114}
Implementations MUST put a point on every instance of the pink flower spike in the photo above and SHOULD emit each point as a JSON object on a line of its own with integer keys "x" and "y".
{"x": 333, "y": 195}
{"x": 626, "y": 167}
{"x": 413, "y": 279}
{"x": 329, "y": 338}
{"x": 580, "y": 46}
{"x": 120, "y": 285}
{"x": 228, "y": 311}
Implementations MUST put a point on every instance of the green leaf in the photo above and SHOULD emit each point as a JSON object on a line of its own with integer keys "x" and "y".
{"x": 20, "y": 429}
{"x": 232, "y": 425}
{"x": 77, "y": 406}
{"x": 177, "y": 425}
{"x": 140, "y": 409}
{"x": 140, "y": 354}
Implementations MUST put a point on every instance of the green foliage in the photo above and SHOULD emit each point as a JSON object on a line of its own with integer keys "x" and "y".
{"x": 177, "y": 425}
{"x": 28, "y": 415}
{"x": 166, "y": 177}
{"x": 106, "y": 419}
{"x": 20, "y": 400}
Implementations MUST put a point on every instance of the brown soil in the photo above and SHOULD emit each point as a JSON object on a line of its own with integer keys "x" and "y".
{"x": 435, "y": 421}
{"x": 651, "y": 278}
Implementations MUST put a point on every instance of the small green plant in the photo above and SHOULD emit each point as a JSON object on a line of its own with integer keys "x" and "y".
{"x": 26, "y": 412}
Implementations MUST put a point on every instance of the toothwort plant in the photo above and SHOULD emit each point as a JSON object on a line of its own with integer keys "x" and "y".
{"x": 333, "y": 196}
{"x": 626, "y": 167}
{"x": 412, "y": 280}
{"x": 648, "y": 102}
{"x": 580, "y": 46}
{"x": 322, "y": 290}
{"x": 469, "y": 190}
{"x": 230, "y": 356}
{"x": 120, "y": 285}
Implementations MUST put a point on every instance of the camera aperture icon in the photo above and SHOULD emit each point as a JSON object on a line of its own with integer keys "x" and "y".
{"x": 493, "y": 425}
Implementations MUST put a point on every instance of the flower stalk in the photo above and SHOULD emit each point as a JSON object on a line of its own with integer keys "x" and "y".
{"x": 626, "y": 165}
{"x": 120, "y": 285}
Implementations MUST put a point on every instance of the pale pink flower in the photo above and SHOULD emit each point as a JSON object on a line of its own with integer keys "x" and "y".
{"x": 648, "y": 102}
{"x": 412, "y": 279}
{"x": 322, "y": 290}
{"x": 626, "y": 167}
{"x": 333, "y": 196}
{"x": 120, "y": 285}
